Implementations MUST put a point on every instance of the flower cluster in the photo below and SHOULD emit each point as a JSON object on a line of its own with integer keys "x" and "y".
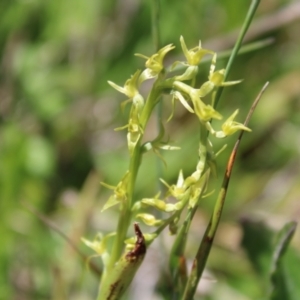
{"x": 187, "y": 191}
{"x": 181, "y": 91}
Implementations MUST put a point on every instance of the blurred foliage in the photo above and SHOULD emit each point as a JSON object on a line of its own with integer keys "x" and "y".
{"x": 57, "y": 115}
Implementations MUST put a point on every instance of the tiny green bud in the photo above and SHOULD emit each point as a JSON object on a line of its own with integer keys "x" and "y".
{"x": 162, "y": 205}
{"x": 149, "y": 219}
{"x": 159, "y": 204}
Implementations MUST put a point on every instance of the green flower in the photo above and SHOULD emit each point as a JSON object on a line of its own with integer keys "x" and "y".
{"x": 154, "y": 64}
{"x": 177, "y": 190}
{"x": 194, "y": 55}
{"x": 204, "y": 111}
{"x": 130, "y": 88}
{"x": 218, "y": 77}
{"x": 120, "y": 192}
{"x": 197, "y": 189}
{"x": 230, "y": 126}
{"x": 99, "y": 245}
{"x": 134, "y": 133}
{"x": 215, "y": 79}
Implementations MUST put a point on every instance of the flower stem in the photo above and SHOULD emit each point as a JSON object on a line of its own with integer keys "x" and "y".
{"x": 155, "y": 16}
{"x": 125, "y": 212}
{"x": 155, "y": 19}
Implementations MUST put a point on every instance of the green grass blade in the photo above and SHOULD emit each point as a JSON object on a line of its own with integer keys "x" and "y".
{"x": 237, "y": 46}
{"x": 278, "y": 278}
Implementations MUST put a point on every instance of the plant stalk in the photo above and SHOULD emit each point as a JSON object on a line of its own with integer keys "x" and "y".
{"x": 237, "y": 46}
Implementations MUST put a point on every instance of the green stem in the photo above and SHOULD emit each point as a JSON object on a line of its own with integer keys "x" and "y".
{"x": 155, "y": 19}
{"x": 238, "y": 43}
{"x": 155, "y": 15}
{"x": 125, "y": 213}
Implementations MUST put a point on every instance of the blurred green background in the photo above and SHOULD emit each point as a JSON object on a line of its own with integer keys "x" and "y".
{"x": 57, "y": 143}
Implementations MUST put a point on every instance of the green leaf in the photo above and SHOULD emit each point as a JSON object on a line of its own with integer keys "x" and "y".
{"x": 257, "y": 242}
{"x": 276, "y": 266}
{"x": 280, "y": 278}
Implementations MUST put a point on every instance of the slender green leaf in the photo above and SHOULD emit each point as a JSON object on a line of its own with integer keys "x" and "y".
{"x": 279, "y": 278}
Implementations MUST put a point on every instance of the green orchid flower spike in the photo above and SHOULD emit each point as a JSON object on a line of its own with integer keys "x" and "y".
{"x": 176, "y": 207}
